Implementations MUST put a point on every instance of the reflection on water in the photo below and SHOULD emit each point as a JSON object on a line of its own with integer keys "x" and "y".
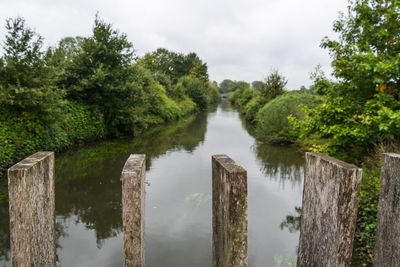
{"x": 292, "y": 221}
{"x": 90, "y": 177}
{"x": 280, "y": 163}
{"x": 178, "y": 195}
{"x": 4, "y": 232}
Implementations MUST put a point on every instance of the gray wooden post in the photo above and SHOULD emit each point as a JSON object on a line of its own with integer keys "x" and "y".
{"x": 330, "y": 200}
{"x": 32, "y": 205}
{"x": 387, "y": 248}
{"x": 133, "y": 198}
{"x": 229, "y": 200}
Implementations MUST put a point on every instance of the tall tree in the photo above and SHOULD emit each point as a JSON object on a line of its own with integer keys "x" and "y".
{"x": 363, "y": 106}
{"x": 274, "y": 85}
{"x": 99, "y": 74}
{"x": 22, "y": 55}
{"x": 25, "y": 83}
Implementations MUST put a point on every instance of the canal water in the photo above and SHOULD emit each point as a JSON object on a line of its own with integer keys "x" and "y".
{"x": 178, "y": 195}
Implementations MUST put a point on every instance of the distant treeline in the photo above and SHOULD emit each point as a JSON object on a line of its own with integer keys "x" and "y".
{"x": 89, "y": 88}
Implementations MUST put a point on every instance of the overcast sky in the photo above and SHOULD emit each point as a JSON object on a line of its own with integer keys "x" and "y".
{"x": 239, "y": 39}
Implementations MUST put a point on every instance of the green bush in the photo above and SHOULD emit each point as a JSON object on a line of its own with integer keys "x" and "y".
{"x": 252, "y": 107}
{"x": 23, "y": 134}
{"x": 196, "y": 89}
{"x": 272, "y": 119}
{"x": 186, "y": 105}
{"x": 245, "y": 96}
{"x": 367, "y": 214}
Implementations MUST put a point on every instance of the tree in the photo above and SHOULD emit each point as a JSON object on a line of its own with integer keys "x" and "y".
{"x": 57, "y": 58}
{"x": 196, "y": 67}
{"x": 175, "y": 65}
{"x": 99, "y": 75}
{"x": 274, "y": 86}
{"x": 25, "y": 84}
{"x": 224, "y": 86}
{"x": 257, "y": 85}
{"x": 196, "y": 90}
{"x": 238, "y": 86}
{"x": 22, "y": 55}
{"x": 363, "y": 106}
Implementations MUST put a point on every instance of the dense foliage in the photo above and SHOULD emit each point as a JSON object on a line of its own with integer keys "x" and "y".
{"x": 362, "y": 107}
{"x": 267, "y": 106}
{"x": 88, "y": 88}
{"x": 272, "y": 119}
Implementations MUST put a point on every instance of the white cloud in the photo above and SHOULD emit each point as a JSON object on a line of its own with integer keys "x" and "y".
{"x": 239, "y": 39}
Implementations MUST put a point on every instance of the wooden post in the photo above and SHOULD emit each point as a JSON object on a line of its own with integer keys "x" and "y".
{"x": 330, "y": 200}
{"x": 387, "y": 248}
{"x": 32, "y": 205}
{"x": 133, "y": 198}
{"x": 229, "y": 200}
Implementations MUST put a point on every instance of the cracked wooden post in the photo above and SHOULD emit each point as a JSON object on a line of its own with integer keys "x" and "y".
{"x": 32, "y": 205}
{"x": 133, "y": 198}
{"x": 387, "y": 248}
{"x": 229, "y": 200}
{"x": 330, "y": 200}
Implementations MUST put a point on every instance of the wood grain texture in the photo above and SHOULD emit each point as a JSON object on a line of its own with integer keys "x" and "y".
{"x": 329, "y": 211}
{"x": 387, "y": 248}
{"x": 133, "y": 201}
{"x": 229, "y": 200}
{"x": 32, "y": 206}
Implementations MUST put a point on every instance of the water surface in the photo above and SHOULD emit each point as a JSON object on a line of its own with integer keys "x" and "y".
{"x": 178, "y": 195}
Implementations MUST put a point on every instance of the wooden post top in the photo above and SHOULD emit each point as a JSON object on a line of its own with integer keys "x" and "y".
{"x": 392, "y": 155}
{"x": 31, "y": 161}
{"x": 333, "y": 161}
{"x": 134, "y": 163}
{"x": 228, "y": 164}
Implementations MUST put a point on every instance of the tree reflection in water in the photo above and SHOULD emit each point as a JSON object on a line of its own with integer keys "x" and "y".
{"x": 88, "y": 186}
{"x": 283, "y": 164}
{"x": 4, "y": 233}
{"x": 292, "y": 222}
{"x": 88, "y": 180}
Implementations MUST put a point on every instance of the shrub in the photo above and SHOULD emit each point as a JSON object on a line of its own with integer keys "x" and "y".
{"x": 272, "y": 120}
{"x": 196, "y": 90}
{"x": 252, "y": 107}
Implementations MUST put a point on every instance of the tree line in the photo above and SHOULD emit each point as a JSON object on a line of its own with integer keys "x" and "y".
{"x": 88, "y": 88}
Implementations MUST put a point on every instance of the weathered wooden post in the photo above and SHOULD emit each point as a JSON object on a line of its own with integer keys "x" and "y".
{"x": 133, "y": 198}
{"x": 32, "y": 205}
{"x": 229, "y": 200}
{"x": 387, "y": 248}
{"x": 330, "y": 199}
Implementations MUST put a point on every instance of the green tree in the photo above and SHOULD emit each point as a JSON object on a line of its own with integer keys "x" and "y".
{"x": 196, "y": 67}
{"x": 99, "y": 75}
{"x": 175, "y": 65}
{"x": 57, "y": 58}
{"x": 196, "y": 90}
{"x": 363, "y": 107}
{"x": 22, "y": 56}
{"x": 224, "y": 86}
{"x": 274, "y": 85}
{"x": 257, "y": 85}
{"x": 25, "y": 83}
